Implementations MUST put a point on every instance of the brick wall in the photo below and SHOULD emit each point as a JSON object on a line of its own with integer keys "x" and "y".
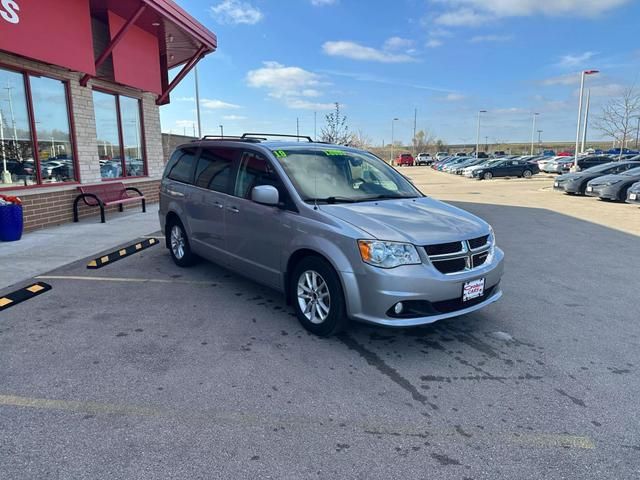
{"x": 55, "y": 207}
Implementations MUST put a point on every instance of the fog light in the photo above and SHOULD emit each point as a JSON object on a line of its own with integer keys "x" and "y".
{"x": 398, "y": 308}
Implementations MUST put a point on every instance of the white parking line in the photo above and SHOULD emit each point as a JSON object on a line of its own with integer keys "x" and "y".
{"x": 126, "y": 280}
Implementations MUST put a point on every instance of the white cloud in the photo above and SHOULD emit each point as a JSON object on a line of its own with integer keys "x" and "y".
{"x": 184, "y": 99}
{"x": 217, "y": 104}
{"x": 233, "y": 117}
{"x": 355, "y": 51}
{"x": 236, "y": 12}
{"x": 570, "y": 61}
{"x": 292, "y": 85}
{"x": 476, "y": 12}
{"x": 490, "y": 38}
{"x": 568, "y": 79}
{"x": 433, "y": 43}
{"x": 454, "y": 97}
{"x": 322, "y": 3}
{"x": 397, "y": 43}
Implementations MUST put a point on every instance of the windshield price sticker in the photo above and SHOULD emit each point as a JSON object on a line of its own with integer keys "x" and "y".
{"x": 333, "y": 152}
{"x": 279, "y": 153}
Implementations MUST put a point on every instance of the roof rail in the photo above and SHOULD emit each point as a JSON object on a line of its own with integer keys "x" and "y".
{"x": 230, "y": 137}
{"x": 260, "y": 135}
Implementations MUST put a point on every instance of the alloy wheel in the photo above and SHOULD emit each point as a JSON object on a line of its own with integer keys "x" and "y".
{"x": 314, "y": 298}
{"x": 177, "y": 242}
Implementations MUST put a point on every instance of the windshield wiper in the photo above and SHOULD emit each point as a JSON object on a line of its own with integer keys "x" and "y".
{"x": 331, "y": 200}
{"x": 386, "y": 197}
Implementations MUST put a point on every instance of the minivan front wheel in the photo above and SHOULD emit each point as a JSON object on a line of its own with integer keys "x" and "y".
{"x": 317, "y": 297}
{"x": 179, "y": 245}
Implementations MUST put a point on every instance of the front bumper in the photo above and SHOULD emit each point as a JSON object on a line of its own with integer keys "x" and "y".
{"x": 633, "y": 197}
{"x": 371, "y": 294}
{"x": 602, "y": 191}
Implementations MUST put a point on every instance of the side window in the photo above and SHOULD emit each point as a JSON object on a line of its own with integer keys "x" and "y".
{"x": 214, "y": 169}
{"x": 182, "y": 169}
{"x": 254, "y": 170}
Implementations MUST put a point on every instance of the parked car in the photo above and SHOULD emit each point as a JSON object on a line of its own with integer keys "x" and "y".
{"x": 424, "y": 159}
{"x": 342, "y": 234}
{"x": 404, "y": 160}
{"x": 591, "y": 161}
{"x": 506, "y": 168}
{"x": 633, "y": 194}
{"x": 559, "y": 165}
{"x": 441, "y": 155}
{"x": 459, "y": 170}
{"x": 613, "y": 187}
{"x": 576, "y": 183}
{"x": 468, "y": 171}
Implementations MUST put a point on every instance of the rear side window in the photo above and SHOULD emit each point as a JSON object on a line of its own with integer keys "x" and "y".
{"x": 214, "y": 169}
{"x": 184, "y": 161}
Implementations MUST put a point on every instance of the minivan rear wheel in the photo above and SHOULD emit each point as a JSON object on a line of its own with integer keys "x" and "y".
{"x": 317, "y": 297}
{"x": 179, "y": 245}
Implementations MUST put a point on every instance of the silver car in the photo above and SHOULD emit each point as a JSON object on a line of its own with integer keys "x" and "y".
{"x": 342, "y": 234}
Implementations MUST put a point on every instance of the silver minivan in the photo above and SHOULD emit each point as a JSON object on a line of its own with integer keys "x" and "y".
{"x": 342, "y": 234}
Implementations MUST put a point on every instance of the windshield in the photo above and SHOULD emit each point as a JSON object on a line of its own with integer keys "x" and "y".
{"x": 341, "y": 176}
{"x": 601, "y": 168}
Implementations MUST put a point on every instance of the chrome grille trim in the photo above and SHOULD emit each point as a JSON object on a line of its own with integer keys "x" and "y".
{"x": 467, "y": 253}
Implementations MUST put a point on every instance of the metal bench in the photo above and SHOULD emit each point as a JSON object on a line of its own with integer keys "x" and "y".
{"x": 105, "y": 195}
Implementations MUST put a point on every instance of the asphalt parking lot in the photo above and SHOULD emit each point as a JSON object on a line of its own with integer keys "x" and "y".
{"x": 141, "y": 369}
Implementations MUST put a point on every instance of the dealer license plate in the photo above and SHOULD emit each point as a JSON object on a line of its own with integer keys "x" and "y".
{"x": 589, "y": 189}
{"x": 633, "y": 196}
{"x": 473, "y": 289}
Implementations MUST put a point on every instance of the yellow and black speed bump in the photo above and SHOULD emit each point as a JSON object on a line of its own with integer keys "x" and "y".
{"x": 122, "y": 253}
{"x": 23, "y": 294}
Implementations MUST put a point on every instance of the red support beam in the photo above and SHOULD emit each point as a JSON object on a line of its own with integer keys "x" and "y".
{"x": 114, "y": 42}
{"x": 163, "y": 99}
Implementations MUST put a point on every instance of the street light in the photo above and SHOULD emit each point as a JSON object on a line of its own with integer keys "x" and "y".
{"x": 539, "y": 140}
{"x": 582, "y": 75}
{"x": 392, "y": 125}
{"x": 478, "y": 132}
{"x": 638, "y": 132}
{"x": 533, "y": 130}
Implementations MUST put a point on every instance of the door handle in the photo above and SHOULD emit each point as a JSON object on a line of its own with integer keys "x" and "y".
{"x": 233, "y": 209}
{"x": 218, "y": 205}
{"x": 174, "y": 193}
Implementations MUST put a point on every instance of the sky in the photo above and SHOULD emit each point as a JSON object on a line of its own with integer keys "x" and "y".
{"x": 287, "y": 61}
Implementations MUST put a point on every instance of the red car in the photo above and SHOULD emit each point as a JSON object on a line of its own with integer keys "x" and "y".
{"x": 404, "y": 159}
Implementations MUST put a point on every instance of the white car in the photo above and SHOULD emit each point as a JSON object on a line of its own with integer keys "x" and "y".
{"x": 424, "y": 159}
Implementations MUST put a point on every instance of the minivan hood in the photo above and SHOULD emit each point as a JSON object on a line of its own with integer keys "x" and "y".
{"x": 420, "y": 221}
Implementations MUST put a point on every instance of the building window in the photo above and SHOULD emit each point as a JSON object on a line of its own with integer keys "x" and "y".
{"x": 119, "y": 132}
{"x": 28, "y": 101}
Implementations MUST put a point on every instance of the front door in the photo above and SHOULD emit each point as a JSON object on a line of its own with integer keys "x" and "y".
{"x": 257, "y": 234}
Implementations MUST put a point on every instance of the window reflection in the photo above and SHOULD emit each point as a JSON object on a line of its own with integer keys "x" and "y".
{"x": 131, "y": 136}
{"x": 107, "y": 134}
{"x": 17, "y": 167}
{"x": 55, "y": 150}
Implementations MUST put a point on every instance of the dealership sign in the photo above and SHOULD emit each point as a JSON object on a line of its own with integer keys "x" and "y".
{"x": 9, "y": 11}
{"x": 46, "y": 32}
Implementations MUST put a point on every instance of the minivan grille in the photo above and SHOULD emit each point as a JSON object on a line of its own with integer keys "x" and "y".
{"x": 455, "y": 257}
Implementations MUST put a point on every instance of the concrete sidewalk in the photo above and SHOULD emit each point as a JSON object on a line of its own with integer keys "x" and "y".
{"x": 44, "y": 250}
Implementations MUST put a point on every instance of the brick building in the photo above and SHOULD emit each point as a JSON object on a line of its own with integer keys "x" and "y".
{"x": 81, "y": 82}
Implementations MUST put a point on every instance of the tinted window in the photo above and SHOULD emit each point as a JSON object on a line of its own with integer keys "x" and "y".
{"x": 214, "y": 169}
{"x": 182, "y": 170}
{"x": 255, "y": 170}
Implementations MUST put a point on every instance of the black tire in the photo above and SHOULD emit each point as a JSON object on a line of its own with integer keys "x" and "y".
{"x": 183, "y": 257}
{"x": 527, "y": 174}
{"x": 336, "y": 317}
{"x": 487, "y": 176}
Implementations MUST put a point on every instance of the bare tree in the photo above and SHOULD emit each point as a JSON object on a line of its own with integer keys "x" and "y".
{"x": 423, "y": 140}
{"x": 336, "y": 131}
{"x": 360, "y": 140}
{"x": 617, "y": 117}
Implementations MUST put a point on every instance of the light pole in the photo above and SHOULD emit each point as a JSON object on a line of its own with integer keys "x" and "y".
{"x": 392, "y": 134}
{"x": 221, "y": 131}
{"x": 539, "y": 140}
{"x": 582, "y": 75}
{"x": 586, "y": 121}
{"x": 198, "y": 102}
{"x": 533, "y": 130}
{"x": 638, "y": 132}
{"x": 478, "y": 132}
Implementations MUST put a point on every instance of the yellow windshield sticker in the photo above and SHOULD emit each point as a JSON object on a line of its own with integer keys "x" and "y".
{"x": 334, "y": 152}
{"x": 279, "y": 153}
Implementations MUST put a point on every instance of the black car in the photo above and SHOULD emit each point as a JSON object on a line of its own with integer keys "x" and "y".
{"x": 613, "y": 187}
{"x": 576, "y": 183}
{"x": 592, "y": 161}
{"x": 633, "y": 194}
{"x": 507, "y": 168}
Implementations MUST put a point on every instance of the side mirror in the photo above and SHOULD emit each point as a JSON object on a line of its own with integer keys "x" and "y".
{"x": 265, "y": 195}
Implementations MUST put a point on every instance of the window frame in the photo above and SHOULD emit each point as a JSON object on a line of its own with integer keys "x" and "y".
{"x": 143, "y": 143}
{"x": 26, "y": 73}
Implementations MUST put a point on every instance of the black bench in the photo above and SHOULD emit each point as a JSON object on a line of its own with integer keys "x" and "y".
{"x": 105, "y": 195}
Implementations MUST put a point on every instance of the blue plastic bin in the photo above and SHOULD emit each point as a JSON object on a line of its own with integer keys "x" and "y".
{"x": 11, "y": 223}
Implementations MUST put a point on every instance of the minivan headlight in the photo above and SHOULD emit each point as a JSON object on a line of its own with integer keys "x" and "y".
{"x": 388, "y": 254}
